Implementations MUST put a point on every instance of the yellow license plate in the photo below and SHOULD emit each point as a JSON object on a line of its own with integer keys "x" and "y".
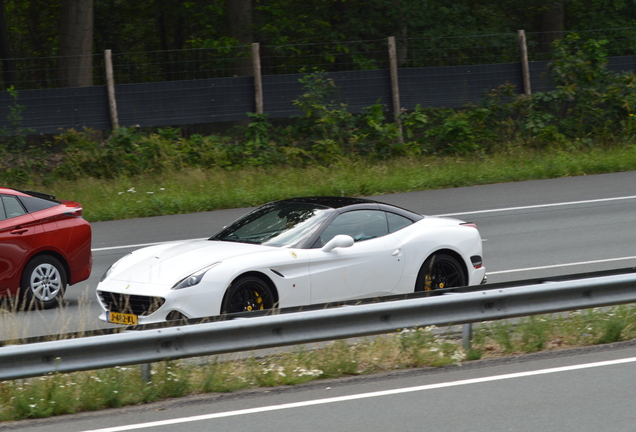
{"x": 122, "y": 318}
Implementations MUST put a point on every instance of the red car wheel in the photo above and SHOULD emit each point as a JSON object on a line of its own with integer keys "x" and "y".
{"x": 43, "y": 282}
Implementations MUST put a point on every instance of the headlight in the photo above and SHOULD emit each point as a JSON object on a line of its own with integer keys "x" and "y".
{"x": 111, "y": 268}
{"x": 194, "y": 278}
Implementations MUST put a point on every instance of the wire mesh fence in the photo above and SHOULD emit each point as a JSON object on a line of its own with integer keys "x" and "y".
{"x": 204, "y": 63}
{"x": 620, "y": 41}
{"x": 207, "y": 85}
{"x": 178, "y": 65}
{"x": 44, "y": 72}
{"x": 332, "y": 57}
{"x": 462, "y": 50}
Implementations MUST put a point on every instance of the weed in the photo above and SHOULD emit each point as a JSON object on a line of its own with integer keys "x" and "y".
{"x": 14, "y": 136}
{"x": 339, "y": 359}
{"x": 535, "y": 334}
{"x": 502, "y": 334}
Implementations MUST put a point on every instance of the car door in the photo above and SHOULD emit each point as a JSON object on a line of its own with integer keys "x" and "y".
{"x": 17, "y": 229}
{"x": 371, "y": 267}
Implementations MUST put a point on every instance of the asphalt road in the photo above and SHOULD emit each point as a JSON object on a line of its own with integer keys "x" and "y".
{"x": 569, "y": 391}
{"x": 530, "y": 229}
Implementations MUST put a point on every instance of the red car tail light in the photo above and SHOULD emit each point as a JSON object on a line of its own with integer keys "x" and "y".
{"x": 77, "y": 212}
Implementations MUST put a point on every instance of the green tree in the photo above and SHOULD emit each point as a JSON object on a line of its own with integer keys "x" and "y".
{"x": 76, "y": 43}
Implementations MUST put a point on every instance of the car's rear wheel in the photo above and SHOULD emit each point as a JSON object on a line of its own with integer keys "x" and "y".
{"x": 43, "y": 282}
{"x": 247, "y": 294}
{"x": 440, "y": 271}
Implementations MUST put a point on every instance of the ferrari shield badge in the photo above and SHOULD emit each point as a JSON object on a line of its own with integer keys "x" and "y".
{"x": 294, "y": 254}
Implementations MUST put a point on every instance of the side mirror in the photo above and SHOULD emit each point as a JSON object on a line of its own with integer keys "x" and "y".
{"x": 339, "y": 241}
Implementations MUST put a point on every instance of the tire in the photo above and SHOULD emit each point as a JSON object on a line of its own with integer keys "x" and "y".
{"x": 43, "y": 282}
{"x": 440, "y": 271}
{"x": 248, "y": 293}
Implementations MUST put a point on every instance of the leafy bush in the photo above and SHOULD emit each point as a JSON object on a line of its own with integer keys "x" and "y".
{"x": 589, "y": 101}
{"x": 129, "y": 152}
{"x": 13, "y": 138}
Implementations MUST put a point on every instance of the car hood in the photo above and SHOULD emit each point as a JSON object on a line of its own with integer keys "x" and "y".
{"x": 169, "y": 263}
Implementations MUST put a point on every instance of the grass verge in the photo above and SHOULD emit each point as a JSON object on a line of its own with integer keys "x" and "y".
{"x": 191, "y": 191}
{"x": 59, "y": 394}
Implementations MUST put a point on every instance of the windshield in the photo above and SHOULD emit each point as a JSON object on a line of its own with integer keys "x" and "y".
{"x": 277, "y": 224}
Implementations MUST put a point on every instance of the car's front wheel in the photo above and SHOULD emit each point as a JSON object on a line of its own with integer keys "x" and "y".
{"x": 439, "y": 271}
{"x": 247, "y": 294}
{"x": 43, "y": 282}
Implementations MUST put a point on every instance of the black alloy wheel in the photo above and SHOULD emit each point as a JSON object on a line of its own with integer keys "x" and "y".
{"x": 440, "y": 271}
{"x": 247, "y": 294}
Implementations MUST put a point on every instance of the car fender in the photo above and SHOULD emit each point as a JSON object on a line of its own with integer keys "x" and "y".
{"x": 420, "y": 242}
{"x": 287, "y": 269}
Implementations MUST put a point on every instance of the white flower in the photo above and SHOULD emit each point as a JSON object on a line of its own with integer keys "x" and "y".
{"x": 458, "y": 357}
{"x": 304, "y": 372}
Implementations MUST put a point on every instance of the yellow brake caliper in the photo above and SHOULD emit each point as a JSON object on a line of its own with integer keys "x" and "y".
{"x": 428, "y": 281}
{"x": 428, "y": 284}
{"x": 259, "y": 301}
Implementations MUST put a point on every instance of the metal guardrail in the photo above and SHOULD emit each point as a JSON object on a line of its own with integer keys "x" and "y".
{"x": 20, "y": 361}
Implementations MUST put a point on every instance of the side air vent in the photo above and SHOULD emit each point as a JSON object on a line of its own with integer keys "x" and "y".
{"x": 277, "y": 273}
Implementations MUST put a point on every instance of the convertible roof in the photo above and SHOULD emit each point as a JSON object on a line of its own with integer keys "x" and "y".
{"x": 336, "y": 202}
{"x": 331, "y": 201}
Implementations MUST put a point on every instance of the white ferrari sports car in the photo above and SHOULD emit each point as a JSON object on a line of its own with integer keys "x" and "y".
{"x": 294, "y": 252}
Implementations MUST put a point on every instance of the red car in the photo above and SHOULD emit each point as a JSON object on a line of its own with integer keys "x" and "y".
{"x": 45, "y": 245}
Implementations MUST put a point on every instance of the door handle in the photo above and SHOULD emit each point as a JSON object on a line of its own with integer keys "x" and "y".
{"x": 19, "y": 231}
{"x": 396, "y": 252}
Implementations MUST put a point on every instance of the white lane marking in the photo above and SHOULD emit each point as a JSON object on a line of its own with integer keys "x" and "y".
{"x": 539, "y": 206}
{"x": 365, "y": 395}
{"x": 561, "y": 265}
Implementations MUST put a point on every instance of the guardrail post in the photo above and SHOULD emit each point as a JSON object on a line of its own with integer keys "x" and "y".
{"x": 467, "y": 335}
{"x": 146, "y": 369}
